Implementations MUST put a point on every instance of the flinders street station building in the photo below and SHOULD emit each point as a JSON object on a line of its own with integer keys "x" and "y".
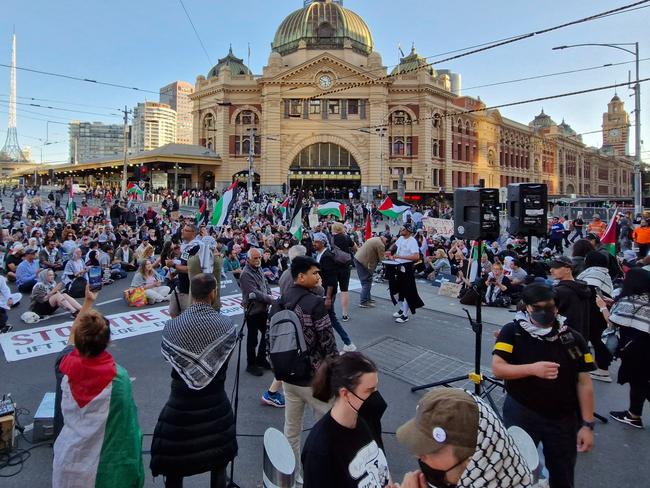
{"x": 326, "y": 113}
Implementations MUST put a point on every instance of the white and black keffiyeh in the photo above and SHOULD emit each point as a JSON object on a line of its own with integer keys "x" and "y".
{"x": 497, "y": 462}
{"x": 197, "y": 343}
{"x": 599, "y": 277}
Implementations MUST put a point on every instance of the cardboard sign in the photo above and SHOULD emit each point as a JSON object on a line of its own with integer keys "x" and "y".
{"x": 89, "y": 211}
{"x": 449, "y": 289}
{"x": 50, "y": 339}
{"x": 175, "y": 215}
{"x": 442, "y": 227}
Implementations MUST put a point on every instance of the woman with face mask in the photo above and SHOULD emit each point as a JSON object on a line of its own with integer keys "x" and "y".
{"x": 344, "y": 448}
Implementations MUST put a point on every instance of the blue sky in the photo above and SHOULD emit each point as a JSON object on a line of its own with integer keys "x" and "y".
{"x": 149, "y": 43}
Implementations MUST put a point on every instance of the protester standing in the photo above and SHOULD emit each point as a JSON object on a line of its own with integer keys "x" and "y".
{"x": 402, "y": 276}
{"x": 181, "y": 293}
{"x": 195, "y": 432}
{"x": 365, "y": 261}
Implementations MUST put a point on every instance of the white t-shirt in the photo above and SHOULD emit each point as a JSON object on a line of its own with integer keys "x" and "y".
{"x": 406, "y": 246}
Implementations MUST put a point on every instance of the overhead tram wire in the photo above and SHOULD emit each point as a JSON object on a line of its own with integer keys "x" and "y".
{"x": 77, "y": 78}
{"x": 76, "y": 104}
{"x": 37, "y": 105}
{"x": 187, "y": 14}
{"x": 488, "y": 47}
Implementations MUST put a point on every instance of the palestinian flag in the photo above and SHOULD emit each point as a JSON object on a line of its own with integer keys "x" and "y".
{"x": 475, "y": 265}
{"x": 70, "y": 209}
{"x": 134, "y": 191}
{"x": 393, "y": 209}
{"x": 296, "y": 225}
{"x": 284, "y": 207}
{"x": 608, "y": 240}
{"x": 200, "y": 213}
{"x": 332, "y": 207}
{"x": 100, "y": 443}
{"x": 224, "y": 205}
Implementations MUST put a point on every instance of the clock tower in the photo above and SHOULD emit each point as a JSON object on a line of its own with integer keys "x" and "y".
{"x": 616, "y": 127}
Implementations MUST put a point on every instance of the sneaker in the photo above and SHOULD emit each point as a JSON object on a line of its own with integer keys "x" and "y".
{"x": 398, "y": 314}
{"x": 601, "y": 375}
{"x": 349, "y": 347}
{"x": 254, "y": 370}
{"x": 275, "y": 399}
{"x": 402, "y": 319}
{"x": 365, "y": 305}
{"x": 372, "y": 300}
{"x": 345, "y": 318}
{"x": 6, "y": 328}
{"x": 624, "y": 418}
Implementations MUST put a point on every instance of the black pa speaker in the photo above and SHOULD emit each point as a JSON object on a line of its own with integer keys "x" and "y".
{"x": 476, "y": 213}
{"x": 527, "y": 207}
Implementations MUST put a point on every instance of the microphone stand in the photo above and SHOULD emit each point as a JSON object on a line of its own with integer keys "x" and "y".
{"x": 240, "y": 338}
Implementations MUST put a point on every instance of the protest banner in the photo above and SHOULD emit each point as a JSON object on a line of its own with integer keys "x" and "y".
{"x": 442, "y": 227}
{"x": 89, "y": 211}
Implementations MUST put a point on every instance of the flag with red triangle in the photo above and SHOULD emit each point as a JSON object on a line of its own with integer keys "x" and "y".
{"x": 284, "y": 208}
{"x": 608, "y": 240}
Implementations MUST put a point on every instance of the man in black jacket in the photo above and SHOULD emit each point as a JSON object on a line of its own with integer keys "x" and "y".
{"x": 572, "y": 297}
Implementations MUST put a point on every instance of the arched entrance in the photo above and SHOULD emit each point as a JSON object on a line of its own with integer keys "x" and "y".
{"x": 242, "y": 179}
{"x": 327, "y": 169}
{"x": 207, "y": 180}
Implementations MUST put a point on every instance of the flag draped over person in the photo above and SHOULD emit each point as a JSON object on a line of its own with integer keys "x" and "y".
{"x": 70, "y": 209}
{"x": 332, "y": 207}
{"x": 608, "y": 240}
{"x": 224, "y": 205}
{"x": 101, "y": 426}
{"x": 393, "y": 209}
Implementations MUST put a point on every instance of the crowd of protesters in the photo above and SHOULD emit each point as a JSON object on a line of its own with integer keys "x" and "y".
{"x": 49, "y": 246}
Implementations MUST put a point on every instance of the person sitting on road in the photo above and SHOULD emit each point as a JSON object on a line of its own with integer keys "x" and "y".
{"x": 439, "y": 265}
{"x": 27, "y": 271}
{"x": 12, "y": 260}
{"x": 50, "y": 256}
{"x": 147, "y": 278}
{"x": 125, "y": 257}
{"x": 48, "y": 296}
{"x": 497, "y": 293}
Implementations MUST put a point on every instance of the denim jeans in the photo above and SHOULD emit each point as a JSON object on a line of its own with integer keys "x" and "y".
{"x": 365, "y": 277}
{"x": 337, "y": 325}
{"x": 557, "y": 436}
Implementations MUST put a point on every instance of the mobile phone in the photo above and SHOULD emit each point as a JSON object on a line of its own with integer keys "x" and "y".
{"x": 95, "y": 278}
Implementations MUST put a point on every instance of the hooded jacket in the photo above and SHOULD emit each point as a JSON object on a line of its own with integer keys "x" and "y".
{"x": 573, "y": 299}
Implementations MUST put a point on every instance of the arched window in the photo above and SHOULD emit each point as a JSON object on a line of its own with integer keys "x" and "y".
{"x": 437, "y": 136}
{"x": 324, "y": 155}
{"x": 246, "y": 122}
{"x": 467, "y": 128}
{"x": 400, "y": 134}
{"x": 459, "y": 126}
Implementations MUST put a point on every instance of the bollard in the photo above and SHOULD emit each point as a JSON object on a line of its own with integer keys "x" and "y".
{"x": 279, "y": 460}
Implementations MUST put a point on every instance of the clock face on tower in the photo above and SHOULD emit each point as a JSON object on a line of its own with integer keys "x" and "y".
{"x": 614, "y": 133}
{"x": 325, "y": 82}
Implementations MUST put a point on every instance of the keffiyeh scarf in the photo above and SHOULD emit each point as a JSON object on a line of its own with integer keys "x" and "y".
{"x": 198, "y": 343}
{"x": 599, "y": 277}
{"x": 541, "y": 333}
{"x": 497, "y": 462}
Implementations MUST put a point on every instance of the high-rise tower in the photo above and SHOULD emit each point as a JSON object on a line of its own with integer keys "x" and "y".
{"x": 11, "y": 150}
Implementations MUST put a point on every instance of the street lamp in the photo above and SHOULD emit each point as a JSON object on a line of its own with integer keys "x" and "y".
{"x": 381, "y": 131}
{"x": 638, "y": 199}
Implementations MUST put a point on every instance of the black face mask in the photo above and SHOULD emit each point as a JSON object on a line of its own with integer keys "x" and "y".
{"x": 373, "y": 407}
{"x": 544, "y": 316}
{"x": 437, "y": 478}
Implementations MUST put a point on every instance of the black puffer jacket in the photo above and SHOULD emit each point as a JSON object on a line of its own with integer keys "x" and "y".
{"x": 573, "y": 299}
{"x": 195, "y": 432}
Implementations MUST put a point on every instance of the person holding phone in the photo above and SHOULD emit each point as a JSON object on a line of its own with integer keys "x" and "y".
{"x": 147, "y": 278}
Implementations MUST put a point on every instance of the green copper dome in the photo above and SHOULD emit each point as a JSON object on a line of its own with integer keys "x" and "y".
{"x": 323, "y": 24}
{"x": 236, "y": 65}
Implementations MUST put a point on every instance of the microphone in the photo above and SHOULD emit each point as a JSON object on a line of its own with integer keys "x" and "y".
{"x": 252, "y": 296}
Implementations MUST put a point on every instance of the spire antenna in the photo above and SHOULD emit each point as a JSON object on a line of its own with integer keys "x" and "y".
{"x": 11, "y": 150}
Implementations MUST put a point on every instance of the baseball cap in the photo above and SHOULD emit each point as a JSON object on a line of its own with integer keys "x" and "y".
{"x": 408, "y": 227}
{"x": 448, "y": 416}
{"x": 29, "y": 250}
{"x": 17, "y": 246}
{"x": 319, "y": 236}
{"x": 561, "y": 262}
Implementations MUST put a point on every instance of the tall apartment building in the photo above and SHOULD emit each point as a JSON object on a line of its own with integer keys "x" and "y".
{"x": 177, "y": 96}
{"x": 92, "y": 140}
{"x": 154, "y": 125}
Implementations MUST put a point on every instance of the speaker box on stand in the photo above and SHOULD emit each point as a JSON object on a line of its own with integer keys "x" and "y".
{"x": 527, "y": 211}
{"x": 476, "y": 213}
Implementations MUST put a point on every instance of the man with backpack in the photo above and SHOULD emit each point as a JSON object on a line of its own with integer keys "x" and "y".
{"x": 295, "y": 357}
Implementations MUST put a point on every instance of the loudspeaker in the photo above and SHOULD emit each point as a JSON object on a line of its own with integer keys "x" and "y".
{"x": 527, "y": 207}
{"x": 476, "y": 213}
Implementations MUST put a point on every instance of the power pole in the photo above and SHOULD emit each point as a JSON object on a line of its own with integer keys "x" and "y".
{"x": 638, "y": 179}
{"x": 126, "y": 149}
{"x": 401, "y": 192}
{"x": 251, "y": 156}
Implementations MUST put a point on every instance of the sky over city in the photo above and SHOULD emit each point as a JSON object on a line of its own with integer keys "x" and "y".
{"x": 149, "y": 43}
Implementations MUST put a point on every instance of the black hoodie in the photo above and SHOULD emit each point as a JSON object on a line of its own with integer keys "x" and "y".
{"x": 573, "y": 299}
